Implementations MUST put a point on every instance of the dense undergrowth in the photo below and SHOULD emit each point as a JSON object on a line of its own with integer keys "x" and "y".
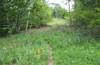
{"x": 69, "y": 48}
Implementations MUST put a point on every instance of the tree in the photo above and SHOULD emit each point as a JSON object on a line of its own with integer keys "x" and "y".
{"x": 87, "y": 12}
{"x": 15, "y": 15}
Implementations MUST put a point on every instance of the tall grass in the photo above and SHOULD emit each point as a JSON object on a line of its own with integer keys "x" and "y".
{"x": 23, "y": 49}
{"x": 69, "y": 48}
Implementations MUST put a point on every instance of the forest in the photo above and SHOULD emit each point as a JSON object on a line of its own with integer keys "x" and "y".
{"x": 34, "y": 33}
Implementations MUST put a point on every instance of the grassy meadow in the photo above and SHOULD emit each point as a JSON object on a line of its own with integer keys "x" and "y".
{"x": 57, "y": 22}
{"x": 69, "y": 47}
{"x": 24, "y": 49}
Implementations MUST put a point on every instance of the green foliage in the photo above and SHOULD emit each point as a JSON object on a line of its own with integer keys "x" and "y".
{"x": 41, "y": 14}
{"x": 59, "y": 12}
{"x": 87, "y": 15}
{"x": 23, "y": 50}
{"x": 15, "y": 14}
{"x": 57, "y": 22}
{"x": 69, "y": 48}
{"x": 62, "y": 13}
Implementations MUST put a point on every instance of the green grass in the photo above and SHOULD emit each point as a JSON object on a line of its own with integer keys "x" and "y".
{"x": 23, "y": 49}
{"x": 69, "y": 48}
{"x": 57, "y": 22}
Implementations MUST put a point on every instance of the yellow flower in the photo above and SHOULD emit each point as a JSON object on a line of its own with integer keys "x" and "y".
{"x": 39, "y": 50}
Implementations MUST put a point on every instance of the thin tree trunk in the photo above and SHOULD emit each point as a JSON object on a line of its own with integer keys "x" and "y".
{"x": 30, "y": 26}
{"x": 76, "y": 13}
{"x": 70, "y": 12}
{"x": 18, "y": 23}
{"x": 27, "y": 22}
{"x": 7, "y": 21}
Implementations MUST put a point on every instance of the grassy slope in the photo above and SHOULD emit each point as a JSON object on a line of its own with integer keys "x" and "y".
{"x": 69, "y": 48}
{"x": 57, "y": 22}
{"x": 23, "y": 49}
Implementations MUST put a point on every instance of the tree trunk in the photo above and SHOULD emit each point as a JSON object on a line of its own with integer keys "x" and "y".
{"x": 30, "y": 26}
{"x": 18, "y": 23}
{"x": 76, "y": 13}
{"x": 7, "y": 21}
{"x": 70, "y": 13}
{"x": 27, "y": 22}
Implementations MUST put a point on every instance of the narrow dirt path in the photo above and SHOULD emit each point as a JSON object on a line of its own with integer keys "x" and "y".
{"x": 50, "y": 61}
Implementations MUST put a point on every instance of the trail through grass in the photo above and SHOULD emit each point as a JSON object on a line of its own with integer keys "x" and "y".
{"x": 23, "y": 49}
{"x": 69, "y": 48}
